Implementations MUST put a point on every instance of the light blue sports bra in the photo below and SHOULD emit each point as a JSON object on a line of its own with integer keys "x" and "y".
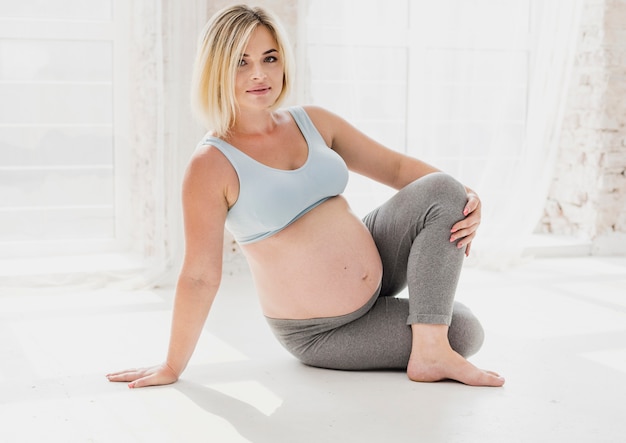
{"x": 271, "y": 199}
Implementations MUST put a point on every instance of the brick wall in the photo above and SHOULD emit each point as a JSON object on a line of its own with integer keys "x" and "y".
{"x": 588, "y": 195}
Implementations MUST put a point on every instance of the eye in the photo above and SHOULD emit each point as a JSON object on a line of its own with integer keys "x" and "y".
{"x": 271, "y": 59}
{"x": 242, "y": 62}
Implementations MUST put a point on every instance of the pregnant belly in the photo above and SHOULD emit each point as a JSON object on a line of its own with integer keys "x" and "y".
{"x": 323, "y": 265}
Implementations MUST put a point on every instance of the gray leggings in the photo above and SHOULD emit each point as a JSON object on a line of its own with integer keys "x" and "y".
{"x": 411, "y": 232}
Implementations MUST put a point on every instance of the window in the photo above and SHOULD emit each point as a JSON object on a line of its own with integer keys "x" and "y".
{"x": 469, "y": 84}
{"x": 357, "y": 57}
{"x": 445, "y": 81}
{"x": 63, "y": 80}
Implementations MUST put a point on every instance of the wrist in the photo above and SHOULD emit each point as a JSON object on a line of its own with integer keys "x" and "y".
{"x": 171, "y": 369}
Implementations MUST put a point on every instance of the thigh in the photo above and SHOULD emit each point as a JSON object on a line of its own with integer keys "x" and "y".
{"x": 381, "y": 339}
{"x": 396, "y": 224}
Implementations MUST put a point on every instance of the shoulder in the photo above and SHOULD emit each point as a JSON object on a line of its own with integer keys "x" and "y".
{"x": 332, "y": 126}
{"x": 209, "y": 173}
{"x": 207, "y": 159}
{"x": 327, "y": 123}
{"x": 319, "y": 114}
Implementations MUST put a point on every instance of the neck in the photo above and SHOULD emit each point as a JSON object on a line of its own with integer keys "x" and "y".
{"x": 254, "y": 122}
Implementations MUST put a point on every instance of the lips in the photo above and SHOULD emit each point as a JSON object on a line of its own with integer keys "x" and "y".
{"x": 259, "y": 90}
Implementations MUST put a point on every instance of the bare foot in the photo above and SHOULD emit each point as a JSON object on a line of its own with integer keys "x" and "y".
{"x": 432, "y": 359}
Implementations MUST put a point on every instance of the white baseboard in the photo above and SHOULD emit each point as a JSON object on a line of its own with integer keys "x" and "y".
{"x": 544, "y": 246}
{"x": 611, "y": 244}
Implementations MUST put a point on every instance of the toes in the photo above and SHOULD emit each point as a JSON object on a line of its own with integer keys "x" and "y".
{"x": 493, "y": 379}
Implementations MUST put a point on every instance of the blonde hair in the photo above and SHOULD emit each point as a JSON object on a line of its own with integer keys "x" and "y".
{"x": 222, "y": 42}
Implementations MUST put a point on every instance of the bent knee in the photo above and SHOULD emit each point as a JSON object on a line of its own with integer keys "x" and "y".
{"x": 444, "y": 186}
{"x": 466, "y": 335}
{"x": 440, "y": 195}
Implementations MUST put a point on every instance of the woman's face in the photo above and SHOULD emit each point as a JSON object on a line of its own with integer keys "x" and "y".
{"x": 260, "y": 73}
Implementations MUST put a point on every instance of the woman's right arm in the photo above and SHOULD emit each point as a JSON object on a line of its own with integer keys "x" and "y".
{"x": 205, "y": 205}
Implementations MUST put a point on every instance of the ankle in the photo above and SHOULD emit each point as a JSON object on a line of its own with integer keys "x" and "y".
{"x": 429, "y": 335}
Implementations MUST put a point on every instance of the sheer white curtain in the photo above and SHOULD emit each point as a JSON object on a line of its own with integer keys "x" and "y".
{"x": 476, "y": 88}
{"x": 155, "y": 44}
{"x": 355, "y": 63}
{"x": 159, "y": 46}
{"x": 513, "y": 206}
{"x": 163, "y": 131}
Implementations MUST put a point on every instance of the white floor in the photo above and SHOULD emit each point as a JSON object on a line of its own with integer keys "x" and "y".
{"x": 556, "y": 329}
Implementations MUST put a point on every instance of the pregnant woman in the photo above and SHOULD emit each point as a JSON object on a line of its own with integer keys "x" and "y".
{"x": 326, "y": 280}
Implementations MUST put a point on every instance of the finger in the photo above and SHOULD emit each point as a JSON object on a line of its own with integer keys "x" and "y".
{"x": 464, "y": 242}
{"x": 470, "y": 206}
{"x": 124, "y": 376}
{"x": 142, "y": 382}
{"x": 472, "y": 221}
{"x": 152, "y": 380}
{"x": 125, "y": 371}
{"x": 119, "y": 377}
{"x": 463, "y": 232}
{"x": 467, "y": 249}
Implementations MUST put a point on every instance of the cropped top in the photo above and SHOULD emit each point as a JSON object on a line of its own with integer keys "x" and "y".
{"x": 271, "y": 199}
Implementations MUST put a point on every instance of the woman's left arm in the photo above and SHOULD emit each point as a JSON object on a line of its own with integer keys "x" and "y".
{"x": 367, "y": 157}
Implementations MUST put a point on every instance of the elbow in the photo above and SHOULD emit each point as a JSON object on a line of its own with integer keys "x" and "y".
{"x": 199, "y": 282}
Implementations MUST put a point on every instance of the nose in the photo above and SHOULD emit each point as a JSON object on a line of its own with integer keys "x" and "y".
{"x": 258, "y": 73}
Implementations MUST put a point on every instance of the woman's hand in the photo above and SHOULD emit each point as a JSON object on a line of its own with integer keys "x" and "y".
{"x": 152, "y": 376}
{"x": 465, "y": 230}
